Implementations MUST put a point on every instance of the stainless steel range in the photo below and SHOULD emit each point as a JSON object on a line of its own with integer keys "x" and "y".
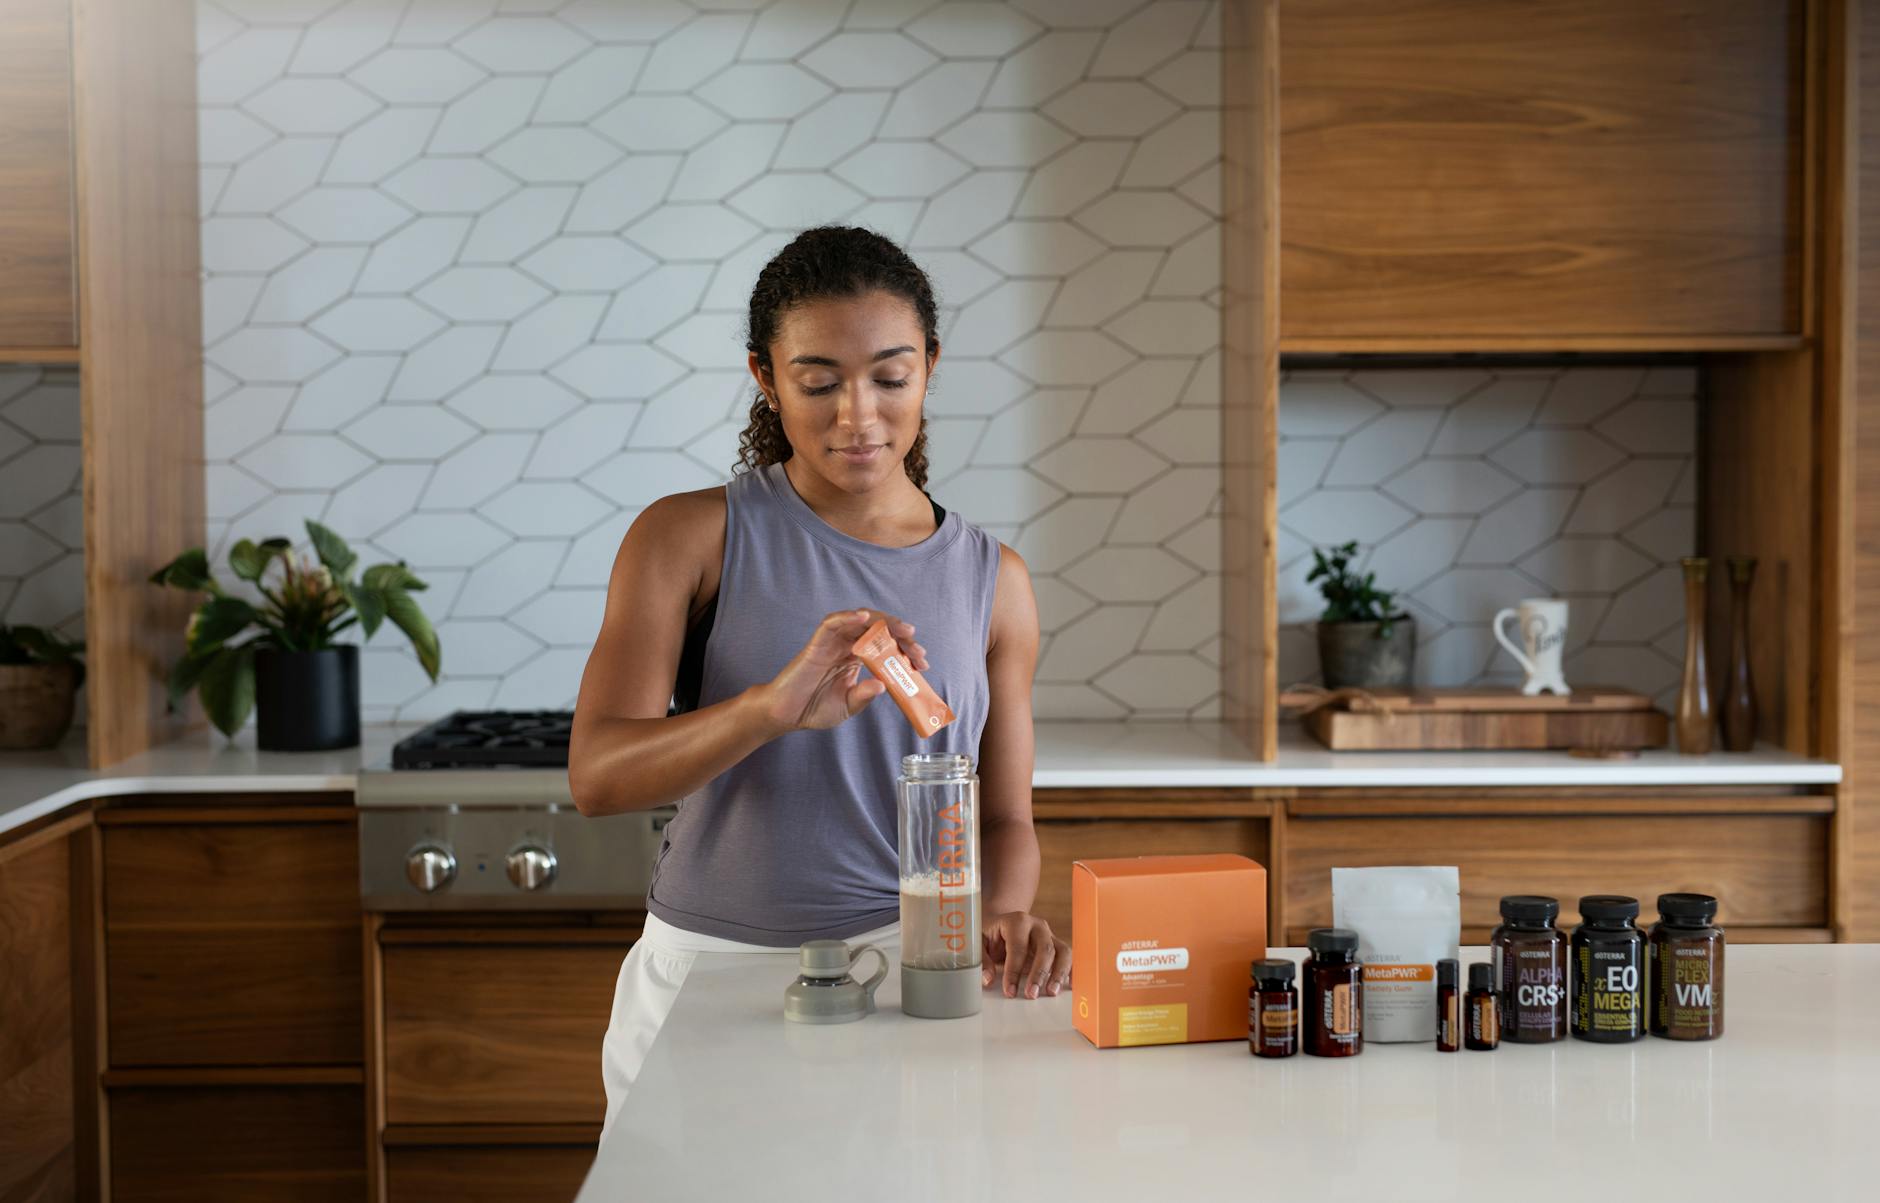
{"x": 474, "y": 813}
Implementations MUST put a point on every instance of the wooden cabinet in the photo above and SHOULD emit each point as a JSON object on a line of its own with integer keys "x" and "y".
{"x": 1468, "y": 174}
{"x": 486, "y": 1174}
{"x": 38, "y": 1154}
{"x": 38, "y": 237}
{"x": 204, "y": 1144}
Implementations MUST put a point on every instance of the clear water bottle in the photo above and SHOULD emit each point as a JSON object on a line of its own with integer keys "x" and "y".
{"x": 938, "y": 795}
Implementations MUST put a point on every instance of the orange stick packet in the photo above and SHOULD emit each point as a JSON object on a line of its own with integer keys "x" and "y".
{"x": 924, "y": 708}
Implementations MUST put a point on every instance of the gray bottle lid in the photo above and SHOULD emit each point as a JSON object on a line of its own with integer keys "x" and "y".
{"x": 824, "y": 992}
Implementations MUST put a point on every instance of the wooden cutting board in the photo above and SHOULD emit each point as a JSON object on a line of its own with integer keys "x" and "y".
{"x": 1594, "y": 719}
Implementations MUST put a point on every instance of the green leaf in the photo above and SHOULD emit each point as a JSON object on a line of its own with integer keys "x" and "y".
{"x": 184, "y": 676}
{"x": 227, "y": 688}
{"x": 217, "y": 621}
{"x": 333, "y": 551}
{"x": 370, "y": 604}
{"x": 187, "y": 571}
{"x": 249, "y": 559}
{"x": 391, "y": 576}
{"x": 404, "y": 613}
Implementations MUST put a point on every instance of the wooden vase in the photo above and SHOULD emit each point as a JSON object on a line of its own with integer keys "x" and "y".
{"x": 1739, "y": 700}
{"x": 1696, "y": 721}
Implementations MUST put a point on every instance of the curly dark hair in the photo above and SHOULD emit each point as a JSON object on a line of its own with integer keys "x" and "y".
{"x": 829, "y": 262}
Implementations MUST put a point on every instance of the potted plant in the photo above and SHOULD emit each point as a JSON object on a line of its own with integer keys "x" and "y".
{"x": 39, "y": 677}
{"x": 303, "y": 685}
{"x": 1363, "y": 641}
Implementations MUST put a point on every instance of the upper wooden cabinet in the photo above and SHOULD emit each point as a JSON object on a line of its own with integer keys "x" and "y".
{"x": 1479, "y": 174}
{"x": 38, "y": 278}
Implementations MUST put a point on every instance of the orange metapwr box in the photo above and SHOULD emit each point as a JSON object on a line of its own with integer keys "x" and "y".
{"x": 1160, "y": 947}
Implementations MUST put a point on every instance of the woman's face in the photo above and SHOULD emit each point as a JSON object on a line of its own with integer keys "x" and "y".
{"x": 848, "y": 377}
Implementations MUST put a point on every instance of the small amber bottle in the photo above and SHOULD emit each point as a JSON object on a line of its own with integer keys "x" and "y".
{"x": 1334, "y": 1002}
{"x": 1686, "y": 953}
{"x": 1448, "y": 1006}
{"x": 1484, "y": 1023}
{"x": 1273, "y": 1010}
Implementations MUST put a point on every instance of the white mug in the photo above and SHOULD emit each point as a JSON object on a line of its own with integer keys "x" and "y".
{"x": 1543, "y": 623}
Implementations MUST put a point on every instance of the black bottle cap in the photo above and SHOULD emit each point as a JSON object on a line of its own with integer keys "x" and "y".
{"x": 1446, "y": 972}
{"x": 1530, "y": 908}
{"x": 1278, "y": 972}
{"x": 1481, "y": 976}
{"x": 1687, "y": 908}
{"x": 1332, "y": 939}
{"x": 1606, "y": 907}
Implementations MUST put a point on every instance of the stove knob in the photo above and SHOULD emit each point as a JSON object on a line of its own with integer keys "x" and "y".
{"x": 430, "y": 868}
{"x": 531, "y": 868}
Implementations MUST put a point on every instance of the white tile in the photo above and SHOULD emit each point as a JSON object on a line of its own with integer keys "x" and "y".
{"x": 449, "y": 185}
{"x": 1066, "y": 357}
{"x": 1161, "y": 682}
{"x": 1073, "y": 701}
{"x": 885, "y": 14}
{"x": 1645, "y": 611}
{"x": 416, "y": 75}
{"x": 413, "y": 255}
{"x": 1417, "y": 554}
{"x": 1581, "y": 565}
{"x": 226, "y": 301}
{"x": 344, "y": 38}
{"x": 1002, "y": 494}
{"x": 514, "y": 44}
{"x": 341, "y": 393}
{"x": 684, "y": 60}
{"x": 961, "y": 29}
{"x": 1199, "y": 545}
{"x": 1475, "y": 594}
{"x": 228, "y": 491}
{"x": 716, "y": 451}
{"x": 639, "y": 478}
{"x": 1582, "y": 396}
{"x": 1137, "y": 396}
{"x": 1141, "y": 218}
{"x": 1042, "y": 69}
{"x": 726, "y": 161}
{"x": 587, "y": 264}
{"x": 243, "y": 64}
{"x": 1624, "y": 667}
{"x": 1165, "y": 505}
{"x": 585, "y": 87}
{"x": 951, "y": 444}
{"x": 1110, "y": 109}
{"x": 612, "y": 21}
{"x": 377, "y": 324}
{"x": 37, "y": 476}
{"x": 247, "y": 244}
{"x": 389, "y": 677}
{"x": 1190, "y": 436}
{"x": 868, "y": 60}
{"x": 380, "y": 146}
{"x": 1193, "y": 268}
{"x": 1556, "y": 456}
{"x": 1669, "y": 382}
{"x": 1203, "y": 190}
{"x": 445, "y": 364}
{"x": 23, "y": 549}
{"x": 550, "y": 681}
{"x": 1153, "y": 327}
{"x": 305, "y": 461}
{"x": 1186, "y": 619}
{"x": 1654, "y": 426}
{"x": 209, "y": 184}
{"x": 513, "y": 402}
{"x": 1329, "y": 516}
{"x": 764, "y": 91}
{"x": 550, "y": 333}
{"x": 590, "y": 559}
{"x": 443, "y": 699}
{"x": 1490, "y": 417}
{"x": 1059, "y": 603}
{"x": 214, "y": 26}
{"x": 783, "y": 31}
{"x": 1420, "y": 386}
{"x": 311, "y": 106}
{"x": 484, "y": 648}
{"x": 1037, "y": 248}
{"x": 908, "y": 169}
{"x": 1457, "y": 656}
{"x": 1665, "y": 535}
{"x": 485, "y": 115}
{"x": 1148, "y": 38}
{"x": 1001, "y": 317}
{"x": 555, "y": 155}
{"x": 52, "y": 596}
{"x": 957, "y": 277}
{"x": 1458, "y": 486}
{"x": 1622, "y": 497}
{"x": 229, "y": 135}
{"x": 544, "y": 509}
{"x": 243, "y": 419}
{"x": 410, "y": 432}
{"x": 436, "y": 22}
{"x": 270, "y": 177}
{"x": 477, "y": 471}
{"x": 1100, "y": 465}
{"x": 482, "y": 294}
{"x": 442, "y": 540}
{"x": 271, "y": 355}
{"x": 924, "y": 107}
{"x": 344, "y": 215}
{"x": 831, "y": 130}
{"x": 618, "y": 371}
{"x": 308, "y": 285}
{"x": 1518, "y": 525}
{"x": 695, "y": 232}
{"x": 689, "y": 407}
{"x": 653, "y": 123}
{"x": 796, "y": 200}
{"x": 705, "y": 339}
{"x": 623, "y": 194}
{"x": 518, "y": 224}
{"x": 1302, "y": 464}
{"x": 1175, "y": 151}
{"x": 656, "y": 301}
{"x": 578, "y": 442}
{"x": 1093, "y": 643}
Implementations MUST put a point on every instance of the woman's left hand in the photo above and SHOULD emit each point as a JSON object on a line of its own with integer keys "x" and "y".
{"x": 1022, "y": 949}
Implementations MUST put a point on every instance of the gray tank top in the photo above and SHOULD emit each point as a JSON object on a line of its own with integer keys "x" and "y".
{"x": 797, "y": 841}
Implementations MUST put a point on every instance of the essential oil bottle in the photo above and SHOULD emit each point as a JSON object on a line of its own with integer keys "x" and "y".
{"x": 1686, "y": 969}
{"x": 1608, "y": 971}
{"x": 1273, "y": 1010}
{"x": 1448, "y": 1006}
{"x": 1529, "y": 955}
{"x": 1483, "y": 1008}
{"x": 1334, "y": 1000}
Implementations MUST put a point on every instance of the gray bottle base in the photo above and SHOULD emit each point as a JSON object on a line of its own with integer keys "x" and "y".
{"x": 940, "y": 993}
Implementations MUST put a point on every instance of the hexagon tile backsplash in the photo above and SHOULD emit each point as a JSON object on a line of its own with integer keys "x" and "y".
{"x": 42, "y": 518}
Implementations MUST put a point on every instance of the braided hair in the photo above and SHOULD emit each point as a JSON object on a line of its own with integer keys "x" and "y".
{"x": 829, "y": 262}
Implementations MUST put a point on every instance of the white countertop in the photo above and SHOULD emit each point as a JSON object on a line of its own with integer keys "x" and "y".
{"x": 1081, "y": 755}
{"x": 735, "y": 1103}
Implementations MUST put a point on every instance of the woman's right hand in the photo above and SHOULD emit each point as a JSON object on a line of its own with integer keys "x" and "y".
{"x": 822, "y": 684}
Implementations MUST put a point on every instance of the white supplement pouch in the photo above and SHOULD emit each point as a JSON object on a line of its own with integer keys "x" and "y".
{"x": 1407, "y": 918}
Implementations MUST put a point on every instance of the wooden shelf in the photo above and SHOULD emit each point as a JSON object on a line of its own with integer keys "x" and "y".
{"x": 237, "y": 1075}
{"x": 45, "y": 355}
{"x": 1333, "y": 344}
{"x": 417, "y": 1135}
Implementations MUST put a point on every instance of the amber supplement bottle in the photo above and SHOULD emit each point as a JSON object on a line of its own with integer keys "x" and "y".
{"x": 1273, "y": 1010}
{"x": 1482, "y": 1030}
{"x": 1608, "y": 971}
{"x": 1448, "y": 1006}
{"x": 1530, "y": 958}
{"x": 1686, "y": 969}
{"x": 1334, "y": 1001}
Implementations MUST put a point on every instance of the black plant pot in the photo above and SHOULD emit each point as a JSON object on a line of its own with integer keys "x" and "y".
{"x": 307, "y": 701}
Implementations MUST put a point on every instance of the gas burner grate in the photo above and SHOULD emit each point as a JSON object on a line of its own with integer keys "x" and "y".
{"x": 488, "y": 739}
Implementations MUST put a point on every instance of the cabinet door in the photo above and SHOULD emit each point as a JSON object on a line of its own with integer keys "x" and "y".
{"x": 190, "y": 1144}
{"x": 486, "y": 1174}
{"x": 1064, "y": 841}
{"x": 38, "y": 280}
{"x": 36, "y": 1117}
{"x": 1458, "y": 173}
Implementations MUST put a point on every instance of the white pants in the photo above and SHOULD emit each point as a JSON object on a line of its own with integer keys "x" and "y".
{"x": 650, "y": 977}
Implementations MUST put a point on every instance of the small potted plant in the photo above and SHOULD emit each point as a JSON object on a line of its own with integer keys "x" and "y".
{"x": 303, "y": 686}
{"x": 1363, "y": 641}
{"x": 39, "y": 678}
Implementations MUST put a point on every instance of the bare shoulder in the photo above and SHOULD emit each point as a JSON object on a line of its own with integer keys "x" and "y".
{"x": 681, "y": 534}
{"x": 1014, "y": 607}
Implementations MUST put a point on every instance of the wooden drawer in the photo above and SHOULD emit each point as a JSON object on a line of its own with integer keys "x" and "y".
{"x": 1765, "y": 870}
{"x": 39, "y": 303}
{"x": 37, "y": 1155}
{"x": 233, "y": 944}
{"x": 497, "y": 1033}
{"x": 286, "y": 1144}
{"x": 486, "y": 1174}
{"x": 1063, "y": 841}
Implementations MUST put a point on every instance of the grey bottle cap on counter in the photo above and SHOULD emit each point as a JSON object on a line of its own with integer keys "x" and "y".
{"x": 824, "y": 992}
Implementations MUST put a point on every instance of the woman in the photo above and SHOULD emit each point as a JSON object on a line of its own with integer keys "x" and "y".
{"x": 739, "y": 604}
